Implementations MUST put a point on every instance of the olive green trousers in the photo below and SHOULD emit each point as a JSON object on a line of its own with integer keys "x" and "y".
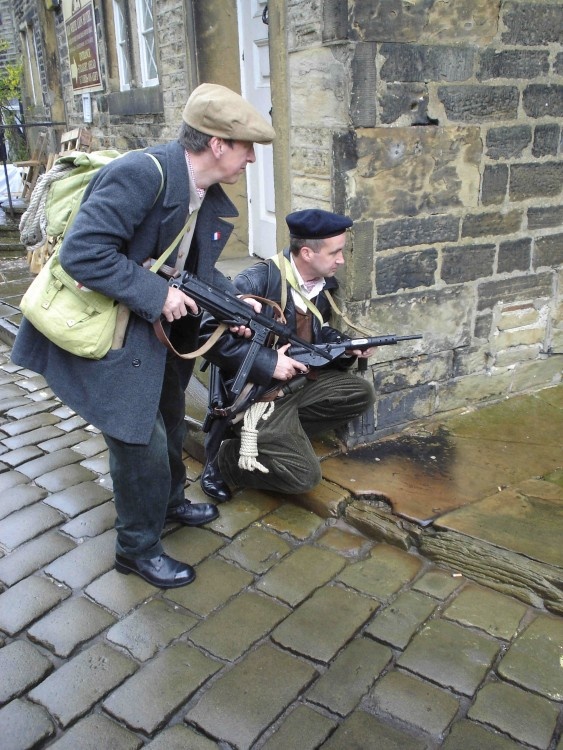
{"x": 284, "y": 445}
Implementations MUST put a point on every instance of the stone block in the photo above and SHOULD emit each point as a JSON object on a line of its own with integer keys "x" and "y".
{"x": 27, "y": 601}
{"x": 515, "y": 289}
{"x": 80, "y": 683}
{"x": 216, "y": 583}
{"x": 472, "y": 389}
{"x": 300, "y": 573}
{"x": 335, "y": 21}
{"x": 546, "y": 140}
{"x": 32, "y": 556}
{"x": 517, "y": 355}
{"x": 419, "y": 704}
{"x": 73, "y": 623}
{"x": 20, "y": 496}
{"x": 407, "y": 373}
{"x": 517, "y": 316}
{"x": 65, "y": 476}
{"x": 543, "y": 100}
{"x": 256, "y": 549}
{"x": 350, "y": 676}
{"x": 519, "y": 337}
{"x": 291, "y": 519}
{"x": 180, "y": 737}
{"x": 450, "y": 656}
{"x": 413, "y": 62}
{"x": 467, "y": 263}
{"x": 425, "y": 23}
{"x": 242, "y": 511}
{"x": 544, "y": 217}
{"x": 24, "y": 725}
{"x": 532, "y": 23}
{"x": 97, "y": 731}
{"x": 399, "y": 621}
{"x": 118, "y": 593}
{"x": 324, "y": 623}
{"x": 358, "y": 280}
{"x": 404, "y": 104}
{"x": 468, "y": 360}
{"x": 405, "y": 171}
{"x": 22, "y": 666}
{"x": 84, "y": 563}
{"x": 362, "y": 730}
{"x": 514, "y": 255}
{"x": 532, "y": 660}
{"x": 319, "y": 84}
{"x": 481, "y": 225}
{"x": 558, "y": 64}
{"x": 483, "y": 325}
{"x": 25, "y": 524}
{"x": 364, "y": 82}
{"x": 405, "y": 271}
{"x": 383, "y": 573}
{"x": 150, "y": 628}
{"x": 253, "y": 689}
{"x": 469, "y": 104}
{"x": 494, "y": 613}
{"x": 528, "y": 718}
{"x": 512, "y": 63}
{"x": 445, "y": 313}
{"x": 409, "y": 232}
{"x": 494, "y": 184}
{"x": 548, "y": 251}
{"x": 402, "y": 407}
{"x": 79, "y": 498}
{"x": 539, "y": 374}
{"x": 437, "y": 583}
{"x": 508, "y": 142}
{"x": 242, "y": 622}
{"x": 303, "y": 728}
{"x": 92, "y": 523}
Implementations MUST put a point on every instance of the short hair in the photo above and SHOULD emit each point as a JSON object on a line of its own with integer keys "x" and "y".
{"x": 296, "y": 243}
{"x": 194, "y": 140}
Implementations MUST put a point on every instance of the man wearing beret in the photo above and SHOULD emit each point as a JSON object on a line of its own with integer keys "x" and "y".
{"x": 133, "y": 211}
{"x": 320, "y": 400}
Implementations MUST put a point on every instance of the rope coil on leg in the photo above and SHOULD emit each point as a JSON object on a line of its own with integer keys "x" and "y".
{"x": 249, "y": 436}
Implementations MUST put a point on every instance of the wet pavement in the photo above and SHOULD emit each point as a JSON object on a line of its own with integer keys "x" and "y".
{"x": 413, "y": 600}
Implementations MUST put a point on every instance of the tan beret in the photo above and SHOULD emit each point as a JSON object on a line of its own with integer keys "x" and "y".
{"x": 216, "y": 110}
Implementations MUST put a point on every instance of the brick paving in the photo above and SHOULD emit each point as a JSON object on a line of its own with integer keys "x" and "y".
{"x": 299, "y": 632}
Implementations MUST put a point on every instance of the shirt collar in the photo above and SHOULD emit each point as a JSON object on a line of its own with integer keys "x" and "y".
{"x": 304, "y": 289}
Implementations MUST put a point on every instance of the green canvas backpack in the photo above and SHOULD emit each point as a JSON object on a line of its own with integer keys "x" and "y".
{"x": 78, "y": 320}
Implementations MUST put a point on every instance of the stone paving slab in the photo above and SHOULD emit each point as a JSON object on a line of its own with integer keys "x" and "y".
{"x": 478, "y": 607}
{"x": 79, "y": 498}
{"x": 304, "y": 728}
{"x": 22, "y": 666}
{"x": 365, "y": 732}
{"x": 256, "y": 549}
{"x": 323, "y": 624}
{"x": 23, "y": 725}
{"x": 65, "y": 476}
{"x": 147, "y": 700}
{"x": 30, "y": 557}
{"x": 450, "y": 655}
{"x": 253, "y": 689}
{"x": 180, "y": 737}
{"x": 28, "y": 600}
{"x": 526, "y": 717}
{"x": 71, "y": 624}
{"x": 85, "y": 562}
{"x": 80, "y": 683}
{"x": 350, "y": 676}
{"x": 466, "y": 735}
{"x": 400, "y": 620}
{"x": 383, "y": 573}
{"x": 96, "y": 732}
{"x": 118, "y": 593}
{"x": 150, "y": 628}
{"x": 25, "y": 524}
{"x": 92, "y": 523}
{"x": 19, "y": 497}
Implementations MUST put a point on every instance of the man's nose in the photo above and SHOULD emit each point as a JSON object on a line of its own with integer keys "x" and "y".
{"x": 251, "y": 158}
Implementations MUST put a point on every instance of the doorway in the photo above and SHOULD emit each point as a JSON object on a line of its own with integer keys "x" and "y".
{"x": 255, "y": 84}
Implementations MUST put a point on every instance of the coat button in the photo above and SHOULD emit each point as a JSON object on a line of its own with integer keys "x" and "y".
{"x": 136, "y": 363}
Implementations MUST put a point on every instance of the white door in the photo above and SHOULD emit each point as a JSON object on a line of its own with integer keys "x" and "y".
{"x": 255, "y": 78}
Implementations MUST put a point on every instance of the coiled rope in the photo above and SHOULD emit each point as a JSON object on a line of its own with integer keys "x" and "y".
{"x": 33, "y": 223}
{"x": 249, "y": 436}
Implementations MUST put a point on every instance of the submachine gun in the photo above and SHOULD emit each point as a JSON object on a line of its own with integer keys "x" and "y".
{"x": 233, "y": 311}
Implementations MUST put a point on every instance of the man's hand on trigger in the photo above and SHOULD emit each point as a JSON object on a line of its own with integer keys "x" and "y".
{"x": 178, "y": 304}
{"x": 243, "y": 330}
{"x": 287, "y": 367}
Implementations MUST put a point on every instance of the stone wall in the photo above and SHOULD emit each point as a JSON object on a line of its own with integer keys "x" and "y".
{"x": 436, "y": 125}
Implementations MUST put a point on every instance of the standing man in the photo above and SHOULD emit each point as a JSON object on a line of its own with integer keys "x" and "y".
{"x": 329, "y": 397}
{"x": 135, "y": 394}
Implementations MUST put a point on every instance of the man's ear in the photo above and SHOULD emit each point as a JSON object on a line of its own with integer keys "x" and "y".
{"x": 216, "y": 145}
{"x": 306, "y": 252}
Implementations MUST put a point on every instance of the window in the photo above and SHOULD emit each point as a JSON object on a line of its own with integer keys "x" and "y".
{"x": 149, "y": 73}
{"x": 122, "y": 46}
{"x": 135, "y": 44}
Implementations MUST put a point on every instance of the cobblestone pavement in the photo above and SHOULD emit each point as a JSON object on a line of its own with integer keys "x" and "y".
{"x": 297, "y": 633}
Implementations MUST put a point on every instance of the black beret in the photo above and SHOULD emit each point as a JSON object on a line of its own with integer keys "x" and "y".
{"x": 316, "y": 224}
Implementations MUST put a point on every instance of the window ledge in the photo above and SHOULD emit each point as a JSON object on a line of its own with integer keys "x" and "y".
{"x": 145, "y": 101}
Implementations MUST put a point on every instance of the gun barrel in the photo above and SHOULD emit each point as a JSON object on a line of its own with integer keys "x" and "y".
{"x": 367, "y": 343}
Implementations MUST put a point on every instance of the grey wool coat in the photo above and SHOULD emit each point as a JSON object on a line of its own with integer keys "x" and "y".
{"x": 120, "y": 224}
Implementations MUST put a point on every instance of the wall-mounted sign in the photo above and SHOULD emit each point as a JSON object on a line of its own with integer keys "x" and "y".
{"x": 82, "y": 41}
